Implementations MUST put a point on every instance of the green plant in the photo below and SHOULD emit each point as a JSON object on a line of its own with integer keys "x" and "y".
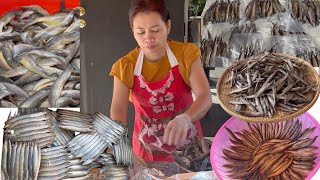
{"x": 196, "y": 7}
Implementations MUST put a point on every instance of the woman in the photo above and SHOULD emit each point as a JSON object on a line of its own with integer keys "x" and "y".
{"x": 159, "y": 75}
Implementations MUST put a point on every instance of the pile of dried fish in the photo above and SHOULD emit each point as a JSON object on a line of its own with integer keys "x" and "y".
{"x": 195, "y": 156}
{"x": 307, "y": 11}
{"x": 312, "y": 56}
{"x": 206, "y": 50}
{"x": 20, "y": 160}
{"x": 211, "y": 49}
{"x": 267, "y": 83}
{"x": 278, "y": 30}
{"x": 39, "y": 58}
{"x": 34, "y": 132}
{"x": 281, "y": 150}
{"x": 257, "y": 9}
{"x": 223, "y": 11}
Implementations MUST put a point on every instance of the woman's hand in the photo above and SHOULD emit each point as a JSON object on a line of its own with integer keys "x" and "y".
{"x": 177, "y": 130}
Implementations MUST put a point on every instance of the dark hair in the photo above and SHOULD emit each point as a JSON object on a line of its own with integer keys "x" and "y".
{"x": 158, "y": 6}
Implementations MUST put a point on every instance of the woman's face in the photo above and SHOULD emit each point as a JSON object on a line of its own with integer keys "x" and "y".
{"x": 151, "y": 32}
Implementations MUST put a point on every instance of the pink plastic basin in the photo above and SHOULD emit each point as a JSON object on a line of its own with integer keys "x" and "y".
{"x": 221, "y": 141}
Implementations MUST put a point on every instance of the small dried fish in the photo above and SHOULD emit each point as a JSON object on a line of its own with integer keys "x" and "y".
{"x": 271, "y": 84}
{"x": 257, "y": 9}
{"x": 223, "y": 11}
{"x": 211, "y": 49}
{"x": 306, "y": 11}
{"x": 278, "y": 153}
{"x": 194, "y": 156}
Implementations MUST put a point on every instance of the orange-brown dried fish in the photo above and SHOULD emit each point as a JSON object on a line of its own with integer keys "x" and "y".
{"x": 280, "y": 168}
{"x": 286, "y": 156}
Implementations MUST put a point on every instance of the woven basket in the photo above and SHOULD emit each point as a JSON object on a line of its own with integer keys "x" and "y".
{"x": 224, "y": 89}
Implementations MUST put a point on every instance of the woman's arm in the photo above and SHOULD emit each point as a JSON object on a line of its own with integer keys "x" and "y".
{"x": 120, "y": 101}
{"x": 200, "y": 87}
{"x": 176, "y": 130}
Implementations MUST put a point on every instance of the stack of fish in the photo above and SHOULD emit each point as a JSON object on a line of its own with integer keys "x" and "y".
{"x": 76, "y": 170}
{"x": 111, "y": 168}
{"x": 257, "y": 9}
{"x": 206, "y": 50}
{"x": 53, "y": 163}
{"x": 88, "y": 147}
{"x": 219, "y": 47}
{"x": 20, "y": 160}
{"x": 75, "y": 121}
{"x": 267, "y": 83}
{"x": 282, "y": 150}
{"x": 62, "y": 136}
{"x": 211, "y": 49}
{"x": 307, "y": 11}
{"x": 37, "y": 134}
{"x": 30, "y": 127}
{"x": 39, "y": 58}
{"x": 223, "y": 11}
{"x": 122, "y": 151}
{"x": 111, "y": 131}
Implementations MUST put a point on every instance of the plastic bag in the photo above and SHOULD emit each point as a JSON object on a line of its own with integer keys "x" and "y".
{"x": 193, "y": 157}
{"x": 153, "y": 142}
{"x": 302, "y": 48}
{"x": 206, "y": 175}
{"x": 246, "y": 45}
{"x": 313, "y": 32}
